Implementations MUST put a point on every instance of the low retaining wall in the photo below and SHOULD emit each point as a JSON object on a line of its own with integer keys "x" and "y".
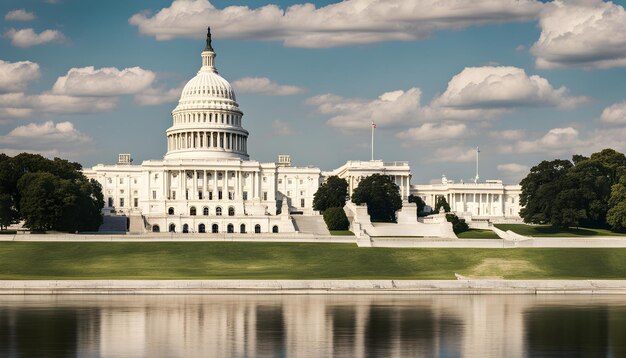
{"x": 534, "y": 287}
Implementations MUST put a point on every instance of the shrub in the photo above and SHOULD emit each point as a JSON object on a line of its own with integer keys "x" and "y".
{"x": 336, "y": 219}
{"x": 458, "y": 225}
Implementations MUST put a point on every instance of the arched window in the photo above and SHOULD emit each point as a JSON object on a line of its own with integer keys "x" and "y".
{"x": 170, "y": 211}
{"x": 205, "y": 211}
{"x": 231, "y": 211}
{"x": 185, "y": 229}
{"x": 172, "y": 228}
{"x": 215, "y": 229}
{"x": 242, "y": 228}
{"x": 201, "y": 228}
{"x": 156, "y": 228}
{"x": 275, "y": 229}
{"x": 218, "y": 211}
{"x": 257, "y": 229}
{"x": 230, "y": 228}
{"x": 192, "y": 211}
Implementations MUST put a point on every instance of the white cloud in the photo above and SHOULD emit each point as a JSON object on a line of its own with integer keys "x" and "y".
{"x": 614, "y": 114}
{"x": 28, "y": 37}
{"x": 556, "y": 141}
{"x": 502, "y": 87}
{"x": 508, "y": 134}
{"x": 108, "y": 81}
{"x": 49, "y": 139}
{"x": 19, "y": 15}
{"x": 397, "y": 108}
{"x": 156, "y": 96}
{"x": 581, "y": 33}
{"x": 264, "y": 85}
{"x": 282, "y": 128}
{"x": 513, "y": 168}
{"x": 14, "y": 76}
{"x": 22, "y": 105}
{"x": 456, "y": 154}
{"x": 433, "y": 132}
{"x": 344, "y": 23}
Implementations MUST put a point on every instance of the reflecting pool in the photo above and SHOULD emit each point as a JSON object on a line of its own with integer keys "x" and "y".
{"x": 313, "y": 326}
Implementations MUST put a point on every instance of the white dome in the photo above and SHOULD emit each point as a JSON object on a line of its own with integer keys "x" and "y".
{"x": 207, "y": 84}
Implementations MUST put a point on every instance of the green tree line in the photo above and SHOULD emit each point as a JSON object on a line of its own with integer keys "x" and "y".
{"x": 48, "y": 194}
{"x": 586, "y": 191}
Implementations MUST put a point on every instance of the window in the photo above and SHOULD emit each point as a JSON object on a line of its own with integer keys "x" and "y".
{"x": 185, "y": 229}
{"x": 265, "y": 195}
{"x": 275, "y": 229}
{"x": 205, "y": 211}
{"x": 245, "y": 195}
{"x": 301, "y": 181}
{"x": 170, "y": 211}
{"x": 134, "y": 180}
{"x": 121, "y": 180}
{"x": 230, "y": 195}
{"x": 122, "y": 192}
{"x": 257, "y": 229}
{"x": 174, "y": 195}
{"x": 219, "y": 195}
{"x": 242, "y": 228}
{"x": 301, "y": 193}
{"x": 192, "y": 211}
{"x": 186, "y": 194}
{"x": 512, "y": 200}
{"x": 289, "y": 182}
{"x": 265, "y": 179}
{"x": 280, "y": 181}
{"x": 172, "y": 228}
{"x": 110, "y": 202}
{"x": 156, "y": 228}
{"x": 201, "y": 228}
{"x": 218, "y": 211}
{"x": 215, "y": 229}
{"x": 121, "y": 202}
{"x": 200, "y": 194}
{"x": 301, "y": 203}
{"x": 231, "y": 211}
{"x": 135, "y": 202}
{"x": 230, "y": 228}
{"x": 154, "y": 194}
{"x": 210, "y": 195}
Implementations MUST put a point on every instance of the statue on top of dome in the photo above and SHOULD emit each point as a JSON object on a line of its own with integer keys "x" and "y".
{"x": 208, "y": 40}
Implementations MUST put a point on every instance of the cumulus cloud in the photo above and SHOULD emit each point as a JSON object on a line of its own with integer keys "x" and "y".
{"x": 456, "y": 154}
{"x": 344, "y": 23}
{"x": 22, "y": 105}
{"x": 49, "y": 139}
{"x": 108, "y": 81}
{"x": 19, "y": 15}
{"x": 614, "y": 114}
{"x": 159, "y": 95}
{"x": 433, "y": 132}
{"x": 397, "y": 108}
{"x": 263, "y": 85}
{"x": 14, "y": 76}
{"x": 502, "y": 87}
{"x": 581, "y": 33}
{"x": 28, "y": 37}
{"x": 282, "y": 128}
{"x": 556, "y": 141}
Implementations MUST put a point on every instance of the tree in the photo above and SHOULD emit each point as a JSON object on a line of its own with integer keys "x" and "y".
{"x": 419, "y": 202}
{"x": 381, "y": 195}
{"x": 540, "y": 189}
{"x": 40, "y": 205}
{"x": 458, "y": 225}
{"x": 336, "y": 219}
{"x": 616, "y": 215}
{"x": 441, "y": 202}
{"x": 8, "y": 214}
{"x": 331, "y": 194}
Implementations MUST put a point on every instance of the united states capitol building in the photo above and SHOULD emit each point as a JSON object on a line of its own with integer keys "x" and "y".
{"x": 207, "y": 182}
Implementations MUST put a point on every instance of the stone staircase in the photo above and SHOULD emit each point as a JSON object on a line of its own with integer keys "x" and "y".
{"x": 310, "y": 224}
{"x": 113, "y": 224}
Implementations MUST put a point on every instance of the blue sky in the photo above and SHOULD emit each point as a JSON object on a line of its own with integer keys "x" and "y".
{"x": 524, "y": 80}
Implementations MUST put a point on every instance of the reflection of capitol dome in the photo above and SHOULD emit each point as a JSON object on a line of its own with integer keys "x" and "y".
{"x": 207, "y": 120}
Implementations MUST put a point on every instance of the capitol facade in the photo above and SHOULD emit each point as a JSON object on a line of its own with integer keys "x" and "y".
{"x": 207, "y": 183}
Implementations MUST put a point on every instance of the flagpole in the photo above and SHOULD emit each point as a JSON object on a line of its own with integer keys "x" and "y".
{"x": 373, "y": 126}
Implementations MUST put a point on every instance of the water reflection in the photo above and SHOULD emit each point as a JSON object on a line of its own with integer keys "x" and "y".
{"x": 312, "y": 326}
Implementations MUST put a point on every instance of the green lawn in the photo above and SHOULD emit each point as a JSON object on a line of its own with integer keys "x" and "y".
{"x": 341, "y": 232}
{"x": 547, "y": 231}
{"x": 478, "y": 234}
{"x": 232, "y": 260}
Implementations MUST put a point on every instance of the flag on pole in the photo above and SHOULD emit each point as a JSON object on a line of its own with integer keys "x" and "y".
{"x": 373, "y": 125}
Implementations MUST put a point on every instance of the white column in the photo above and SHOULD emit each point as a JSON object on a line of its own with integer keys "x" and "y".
{"x": 214, "y": 184}
{"x": 195, "y": 185}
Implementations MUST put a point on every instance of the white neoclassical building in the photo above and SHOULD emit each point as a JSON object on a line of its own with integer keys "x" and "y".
{"x": 207, "y": 182}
